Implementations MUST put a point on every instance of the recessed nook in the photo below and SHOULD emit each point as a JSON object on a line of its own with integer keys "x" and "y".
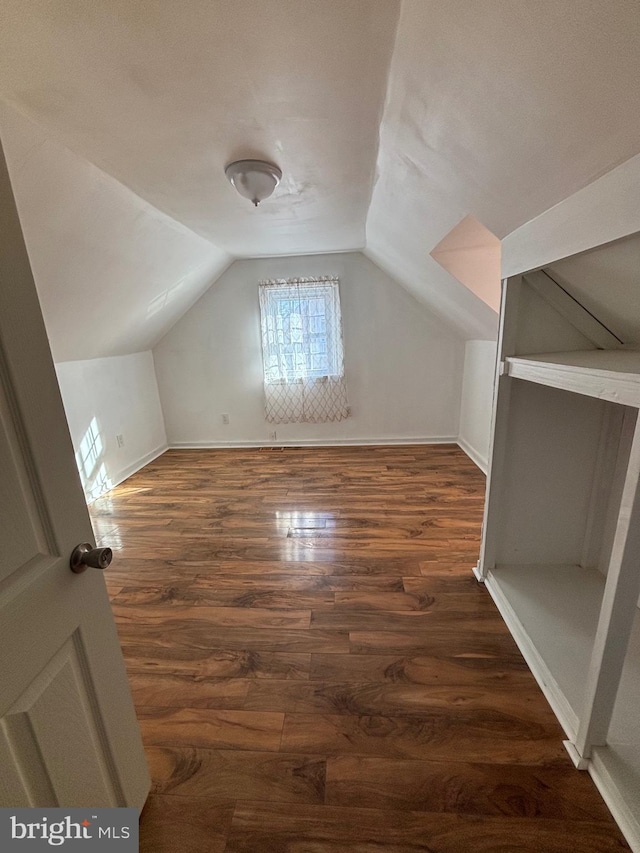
{"x": 471, "y": 253}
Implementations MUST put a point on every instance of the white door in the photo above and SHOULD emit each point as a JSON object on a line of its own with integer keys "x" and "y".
{"x": 68, "y": 731}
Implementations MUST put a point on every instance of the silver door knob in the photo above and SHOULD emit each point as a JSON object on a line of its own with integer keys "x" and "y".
{"x": 84, "y": 556}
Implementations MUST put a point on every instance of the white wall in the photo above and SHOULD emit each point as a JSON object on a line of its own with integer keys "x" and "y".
{"x": 403, "y": 366}
{"x": 477, "y": 400}
{"x": 106, "y": 397}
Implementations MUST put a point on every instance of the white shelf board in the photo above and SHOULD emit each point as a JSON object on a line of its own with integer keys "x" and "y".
{"x": 612, "y": 375}
{"x": 552, "y": 612}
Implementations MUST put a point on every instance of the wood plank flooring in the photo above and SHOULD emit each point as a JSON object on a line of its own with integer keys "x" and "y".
{"x": 315, "y": 669}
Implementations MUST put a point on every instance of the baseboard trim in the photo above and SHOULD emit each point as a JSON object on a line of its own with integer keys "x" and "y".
{"x": 579, "y": 762}
{"x": 140, "y": 463}
{"x": 125, "y": 473}
{"x": 478, "y": 573}
{"x": 472, "y": 453}
{"x": 326, "y": 442}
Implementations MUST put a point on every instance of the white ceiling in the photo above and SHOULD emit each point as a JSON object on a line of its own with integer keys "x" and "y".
{"x": 392, "y": 122}
{"x": 163, "y": 95}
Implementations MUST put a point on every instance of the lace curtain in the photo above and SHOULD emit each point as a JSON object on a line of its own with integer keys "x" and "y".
{"x": 302, "y": 350}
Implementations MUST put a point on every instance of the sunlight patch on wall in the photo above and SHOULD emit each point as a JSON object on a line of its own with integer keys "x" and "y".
{"x": 93, "y": 473}
{"x": 472, "y": 254}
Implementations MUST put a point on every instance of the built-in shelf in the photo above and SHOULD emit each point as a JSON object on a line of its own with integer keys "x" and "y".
{"x": 626, "y": 714}
{"x": 561, "y": 549}
{"x": 616, "y": 767}
{"x": 616, "y": 772}
{"x": 612, "y": 375}
{"x": 540, "y": 604}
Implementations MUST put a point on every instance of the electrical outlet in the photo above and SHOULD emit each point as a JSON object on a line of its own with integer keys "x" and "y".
{"x": 273, "y": 436}
{"x": 120, "y": 440}
{"x": 225, "y": 419}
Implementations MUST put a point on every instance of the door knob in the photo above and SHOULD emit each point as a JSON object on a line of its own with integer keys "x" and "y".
{"x": 84, "y": 556}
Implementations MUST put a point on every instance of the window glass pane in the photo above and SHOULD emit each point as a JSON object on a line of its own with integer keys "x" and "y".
{"x": 298, "y": 331}
{"x": 320, "y": 364}
{"x": 295, "y": 328}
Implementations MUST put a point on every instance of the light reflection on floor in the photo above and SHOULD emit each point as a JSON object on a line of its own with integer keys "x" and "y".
{"x": 300, "y": 529}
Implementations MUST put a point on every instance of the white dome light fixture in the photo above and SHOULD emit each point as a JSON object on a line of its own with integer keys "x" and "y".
{"x": 254, "y": 179}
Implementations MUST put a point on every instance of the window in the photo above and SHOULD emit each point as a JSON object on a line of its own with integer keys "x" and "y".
{"x": 301, "y": 330}
{"x": 302, "y": 350}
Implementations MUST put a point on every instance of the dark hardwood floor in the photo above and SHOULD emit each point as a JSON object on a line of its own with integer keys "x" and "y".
{"x": 316, "y": 670}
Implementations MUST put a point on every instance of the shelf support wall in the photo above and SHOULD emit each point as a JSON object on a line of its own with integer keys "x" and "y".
{"x": 568, "y": 307}
{"x": 499, "y": 426}
{"x": 616, "y": 615}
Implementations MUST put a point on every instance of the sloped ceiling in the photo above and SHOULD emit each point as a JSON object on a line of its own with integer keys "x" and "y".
{"x": 113, "y": 273}
{"x": 499, "y": 109}
{"x": 392, "y": 122}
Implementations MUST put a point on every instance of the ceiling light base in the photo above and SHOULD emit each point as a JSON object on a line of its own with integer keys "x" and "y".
{"x": 253, "y": 179}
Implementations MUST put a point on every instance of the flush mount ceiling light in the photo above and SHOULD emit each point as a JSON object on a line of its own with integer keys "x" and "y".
{"x": 254, "y": 179}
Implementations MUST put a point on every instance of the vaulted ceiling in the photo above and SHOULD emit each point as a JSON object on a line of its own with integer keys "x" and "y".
{"x": 392, "y": 121}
